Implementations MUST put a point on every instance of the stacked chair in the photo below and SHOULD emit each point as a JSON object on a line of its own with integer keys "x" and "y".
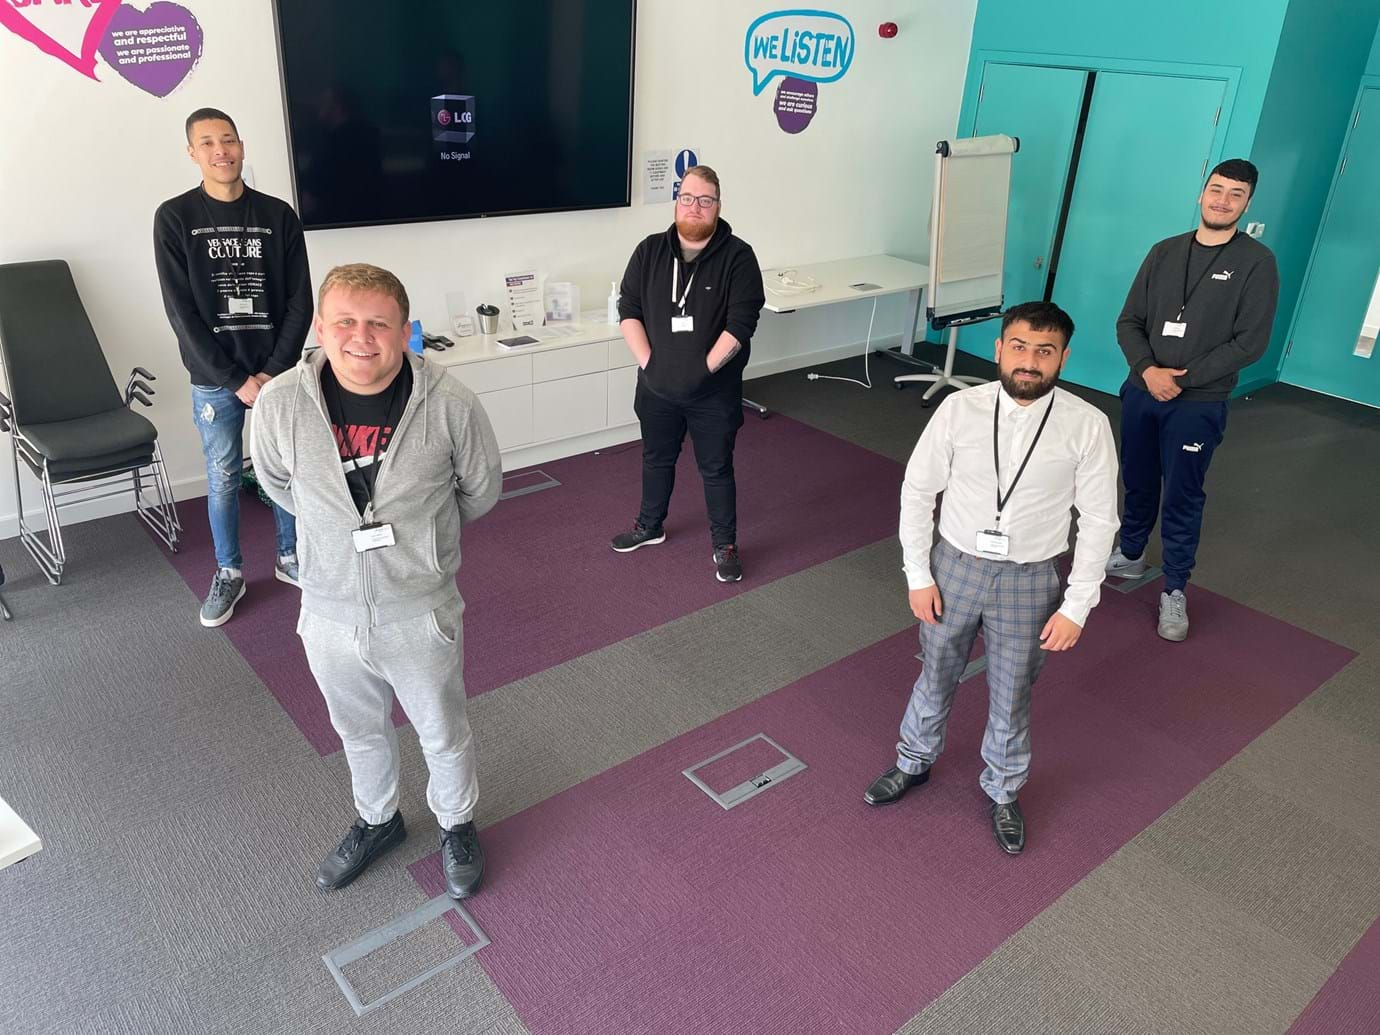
{"x": 69, "y": 424}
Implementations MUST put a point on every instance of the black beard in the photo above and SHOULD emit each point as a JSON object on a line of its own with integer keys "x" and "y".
{"x": 1220, "y": 226}
{"x": 1026, "y": 390}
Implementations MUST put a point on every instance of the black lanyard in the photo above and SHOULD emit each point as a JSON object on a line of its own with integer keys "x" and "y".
{"x": 1002, "y": 501}
{"x": 1217, "y": 251}
{"x": 378, "y": 440}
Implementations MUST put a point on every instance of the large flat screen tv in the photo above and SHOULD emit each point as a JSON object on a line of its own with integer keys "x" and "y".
{"x": 416, "y": 110}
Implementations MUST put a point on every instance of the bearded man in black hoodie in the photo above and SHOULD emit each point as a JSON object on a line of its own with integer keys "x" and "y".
{"x": 688, "y": 306}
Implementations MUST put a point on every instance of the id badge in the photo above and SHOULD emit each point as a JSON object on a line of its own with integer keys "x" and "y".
{"x": 682, "y": 324}
{"x": 373, "y": 536}
{"x": 991, "y": 543}
{"x": 241, "y": 307}
{"x": 1174, "y": 330}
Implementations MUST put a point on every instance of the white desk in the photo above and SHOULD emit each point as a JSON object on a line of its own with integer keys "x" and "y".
{"x": 892, "y": 276}
{"x": 17, "y": 841}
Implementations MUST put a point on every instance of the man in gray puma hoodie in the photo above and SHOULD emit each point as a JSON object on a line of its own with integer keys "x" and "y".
{"x": 382, "y": 457}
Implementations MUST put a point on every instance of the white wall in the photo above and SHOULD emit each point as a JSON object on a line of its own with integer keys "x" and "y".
{"x": 84, "y": 164}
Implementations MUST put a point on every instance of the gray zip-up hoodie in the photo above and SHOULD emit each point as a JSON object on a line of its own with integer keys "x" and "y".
{"x": 441, "y": 470}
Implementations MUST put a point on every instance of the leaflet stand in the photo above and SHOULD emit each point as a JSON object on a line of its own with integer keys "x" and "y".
{"x": 972, "y": 182}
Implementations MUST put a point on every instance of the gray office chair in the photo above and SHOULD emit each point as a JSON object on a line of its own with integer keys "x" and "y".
{"x": 68, "y": 423}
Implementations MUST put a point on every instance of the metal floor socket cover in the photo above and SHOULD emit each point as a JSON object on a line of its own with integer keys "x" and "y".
{"x": 1131, "y": 585}
{"x": 525, "y": 483}
{"x": 753, "y": 786}
{"x": 337, "y": 959}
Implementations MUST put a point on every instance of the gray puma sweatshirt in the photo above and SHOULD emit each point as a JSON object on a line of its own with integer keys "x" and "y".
{"x": 441, "y": 470}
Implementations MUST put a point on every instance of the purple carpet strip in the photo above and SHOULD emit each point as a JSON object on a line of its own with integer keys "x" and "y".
{"x": 540, "y": 583}
{"x": 633, "y": 903}
{"x": 1350, "y": 1001}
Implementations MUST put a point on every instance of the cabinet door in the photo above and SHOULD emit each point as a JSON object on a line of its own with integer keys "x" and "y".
{"x": 572, "y": 406}
{"x": 510, "y": 412}
{"x": 622, "y": 386}
{"x": 1342, "y": 284}
{"x": 1139, "y": 176}
{"x": 1040, "y": 106}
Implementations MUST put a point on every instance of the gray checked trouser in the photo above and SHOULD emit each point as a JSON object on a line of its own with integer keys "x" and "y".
{"x": 421, "y": 660}
{"x": 1011, "y": 604}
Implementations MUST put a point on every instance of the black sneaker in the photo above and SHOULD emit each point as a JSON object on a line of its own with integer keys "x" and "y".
{"x": 627, "y": 542}
{"x": 462, "y": 860}
{"x": 727, "y": 566}
{"x": 361, "y": 846}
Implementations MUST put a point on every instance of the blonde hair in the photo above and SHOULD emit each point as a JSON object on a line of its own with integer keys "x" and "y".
{"x": 361, "y": 276}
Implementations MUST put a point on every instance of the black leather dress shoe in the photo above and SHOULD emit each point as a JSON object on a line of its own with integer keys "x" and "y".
{"x": 361, "y": 846}
{"x": 891, "y": 785}
{"x": 462, "y": 860}
{"x": 1008, "y": 827}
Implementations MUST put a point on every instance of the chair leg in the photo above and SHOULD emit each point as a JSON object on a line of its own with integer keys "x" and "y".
{"x": 51, "y": 556}
{"x": 161, "y": 516}
{"x": 4, "y": 610}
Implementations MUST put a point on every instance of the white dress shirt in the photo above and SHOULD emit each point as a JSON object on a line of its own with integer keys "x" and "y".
{"x": 1073, "y": 466}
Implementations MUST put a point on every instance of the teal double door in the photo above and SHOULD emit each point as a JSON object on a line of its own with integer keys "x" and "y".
{"x": 1109, "y": 163}
{"x": 1340, "y": 286}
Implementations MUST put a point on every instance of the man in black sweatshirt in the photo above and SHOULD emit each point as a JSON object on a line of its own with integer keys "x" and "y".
{"x": 688, "y": 305}
{"x": 233, "y": 268}
{"x": 1199, "y": 310}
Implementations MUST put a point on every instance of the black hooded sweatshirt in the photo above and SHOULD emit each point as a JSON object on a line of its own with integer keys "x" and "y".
{"x": 725, "y": 294}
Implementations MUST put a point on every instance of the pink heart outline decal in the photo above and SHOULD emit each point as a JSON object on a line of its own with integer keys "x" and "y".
{"x": 104, "y": 11}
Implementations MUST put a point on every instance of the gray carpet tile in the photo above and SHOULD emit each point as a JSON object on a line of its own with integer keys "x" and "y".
{"x": 1018, "y": 989}
{"x": 1161, "y": 947}
{"x": 1282, "y": 865}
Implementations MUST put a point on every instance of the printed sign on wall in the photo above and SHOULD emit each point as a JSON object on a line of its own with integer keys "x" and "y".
{"x": 155, "y": 48}
{"x": 802, "y": 48}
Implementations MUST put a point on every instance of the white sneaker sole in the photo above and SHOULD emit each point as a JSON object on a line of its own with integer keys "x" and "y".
{"x": 283, "y": 576}
{"x": 720, "y": 577}
{"x": 646, "y": 542}
{"x": 1128, "y": 572}
{"x": 216, "y": 623}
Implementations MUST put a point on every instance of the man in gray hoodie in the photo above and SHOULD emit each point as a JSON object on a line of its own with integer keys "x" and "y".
{"x": 382, "y": 457}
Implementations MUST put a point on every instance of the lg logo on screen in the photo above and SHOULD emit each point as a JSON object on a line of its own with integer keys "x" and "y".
{"x": 452, "y": 117}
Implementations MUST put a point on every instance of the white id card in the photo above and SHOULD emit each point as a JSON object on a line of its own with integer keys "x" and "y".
{"x": 993, "y": 544}
{"x": 242, "y": 307}
{"x": 1174, "y": 330}
{"x": 682, "y": 324}
{"x": 373, "y": 537}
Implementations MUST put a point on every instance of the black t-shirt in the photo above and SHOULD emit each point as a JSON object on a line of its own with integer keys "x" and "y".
{"x": 363, "y": 426}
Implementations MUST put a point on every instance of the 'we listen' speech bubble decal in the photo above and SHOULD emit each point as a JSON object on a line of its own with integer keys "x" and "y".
{"x": 816, "y": 46}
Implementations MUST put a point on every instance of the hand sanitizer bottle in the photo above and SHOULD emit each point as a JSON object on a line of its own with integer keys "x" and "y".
{"x": 613, "y": 303}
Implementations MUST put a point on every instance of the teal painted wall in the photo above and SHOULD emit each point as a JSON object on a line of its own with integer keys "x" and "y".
{"x": 1241, "y": 34}
{"x": 1322, "y": 54}
{"x": 1373, "y": 65}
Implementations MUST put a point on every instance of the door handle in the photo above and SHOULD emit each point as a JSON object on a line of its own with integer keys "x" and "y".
{"x": 1039, "y": 262}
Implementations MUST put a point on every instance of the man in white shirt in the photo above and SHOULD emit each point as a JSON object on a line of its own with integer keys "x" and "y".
{"x": 1011, "y": 458}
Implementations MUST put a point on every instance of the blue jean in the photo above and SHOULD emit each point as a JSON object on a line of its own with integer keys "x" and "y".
{"x": 219, "y": 417}
{"x": 1165, "y": 451}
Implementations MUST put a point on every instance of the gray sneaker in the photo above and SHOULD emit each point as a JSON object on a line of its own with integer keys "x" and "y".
{"x": 1122, "y": 567}
{"x": 285, "y": 570}
{"x": 226, "y": 591}
{"x": 1173, "y": 616}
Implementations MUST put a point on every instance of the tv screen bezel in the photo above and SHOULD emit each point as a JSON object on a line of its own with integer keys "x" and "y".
{"x": 292, "y": 153}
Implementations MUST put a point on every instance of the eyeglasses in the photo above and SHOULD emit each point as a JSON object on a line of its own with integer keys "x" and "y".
{"x": 703, "y": 200}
